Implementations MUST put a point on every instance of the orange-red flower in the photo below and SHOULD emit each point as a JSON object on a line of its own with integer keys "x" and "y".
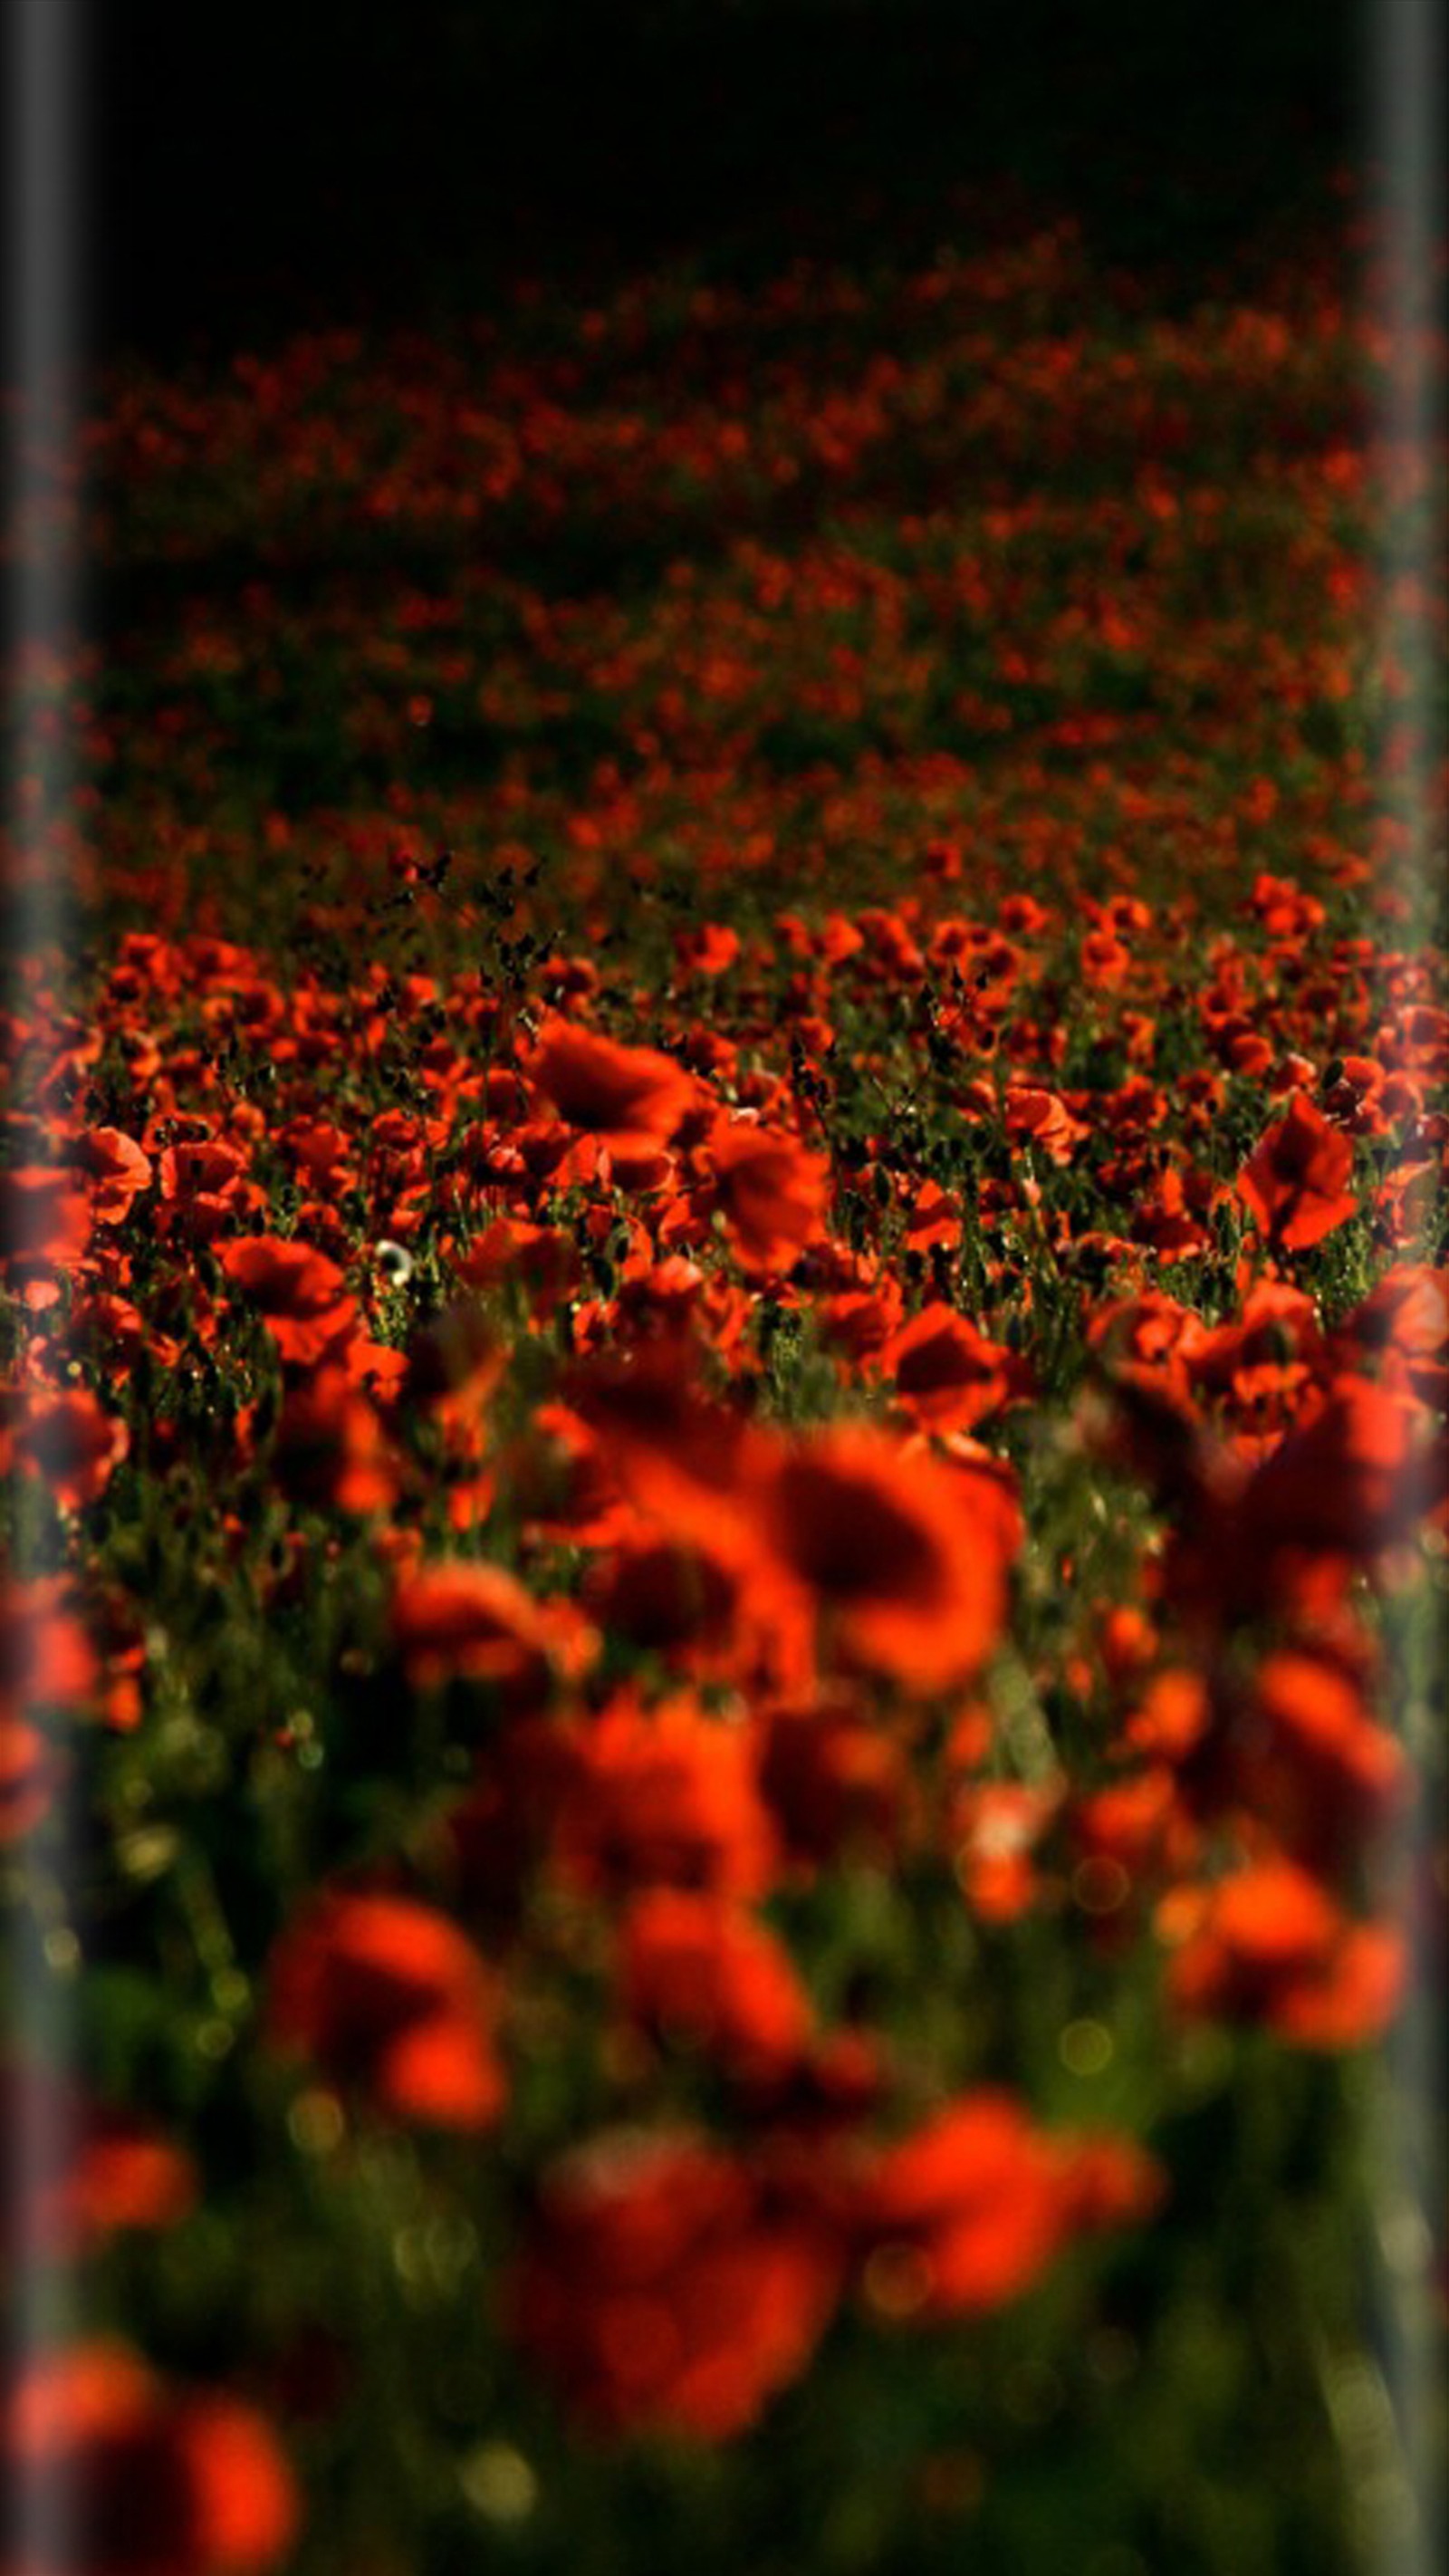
{"x": 607, "y": 1090}
{"x": 118, "y": 1170}
{"x": 1358, "y": 1476}
{"x": 330, "y": 1447}
{"x": 391, "y": 2003}
{"x": 102, "y": 2168}
{"x": 71, "y": 1443}
{"x": 1295, "y": 1183}
{"x": 996, "y": 1826}
{"x": 683, "y": 1458}
{"x": 947, "y": 1374}
{"x": 1270, "y": 1944}
{"x": 837, "y": 1783}
{"x": 120, "y": 2475}
{"x": 297, "y": 1289}
{"x": 666, "y": 1797}
{"x": 29, "y": 1776}
{"x": 44, "y": 1218}
{"x": 479, "y": 1622}
{"x": 665, "y": 2289}
{"x": 698, "y": 1967}
{"x": 970, "y": 2210}
{"x": 1299, "y": 1751}
{"x": 47, "y": 1659}
{"x": 908, "y": 1572}
{"x": 772, "y": 1191}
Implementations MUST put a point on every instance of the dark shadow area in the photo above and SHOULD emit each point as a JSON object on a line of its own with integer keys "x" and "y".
{"x": 264, "y": 168}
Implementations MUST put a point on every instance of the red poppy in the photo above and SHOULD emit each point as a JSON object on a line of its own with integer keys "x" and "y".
{"x": 947, "y": 1374}
{"x": 996, "y": 1826}
{"x": 1404, "y": 1323}
{"x": 608, "y": 1090}
{"x": 1355, "y": 1478}
{"x": 709, "y": 950}
{"x": 134, "y": 2479}
{"x": 47, "y": 1659}
{"x": 965, "y": 2214}
{"x": 118, "y": 1170}
{"x": 837, "y": 1782}
{"x": 456, "y": 1359}
{"x": 697, "y": 1967}
{"x": 71, "y": 1443}
{"x": 1269, "y": 1944}
{"x": 710, "y": 1610}
{"x": 1041, "y": 1118}
{"x": 1295, "y": 1183}
{"x": 298, "y": 1291}
{"x": 29, "y": 1775}
{"x": 1299, "y": 1750}
{"x": 772, "y": 1191}
{"x": 1271, "y": 1352}
{"x": 104, "y": 2168}
{"x": 391, "y": 2003}
{"x": 204, "y": 1188}
{"x": 684, "y": 1458}
{"x": 665, "y": 2288}
{"x": 666, "y": 1797}
{"x": 479, "y": 1622}
{"x": 44, "y": 1218}
{"x": 933, "y": 1218}
{"x": 908, "y": 1572}
{"x": 330, "y": 1448}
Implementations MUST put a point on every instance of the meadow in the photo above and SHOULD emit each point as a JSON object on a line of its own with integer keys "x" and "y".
{"x": 725, "y": 1350}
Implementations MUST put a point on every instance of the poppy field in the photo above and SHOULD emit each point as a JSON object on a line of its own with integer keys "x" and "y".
{"x": 725, "y": 1354}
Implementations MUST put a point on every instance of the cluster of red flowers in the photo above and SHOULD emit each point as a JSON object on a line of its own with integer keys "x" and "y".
{"x": 547, "y": 1491}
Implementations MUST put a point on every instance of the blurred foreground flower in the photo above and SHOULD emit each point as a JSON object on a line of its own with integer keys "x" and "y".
{"x": 110, "y": 2473}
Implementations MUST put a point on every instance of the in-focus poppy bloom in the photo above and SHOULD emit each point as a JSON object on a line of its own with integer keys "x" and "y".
{"x": 204, "y": 1188}
{"x": 771, "y": 1190}
{"x": 393, "y": 2005}
{"x": 666, "y": 2289}
{"x": 117, "y": 1170}
{"x": 1270, "y": 1944}
{"x": 120, "y": 2475}
{"x": 298, "y": 1290}
{"x": 908, "y": 1574}
{"x": 1295, "y": 1183}
{"x": 608, "y": 1090}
